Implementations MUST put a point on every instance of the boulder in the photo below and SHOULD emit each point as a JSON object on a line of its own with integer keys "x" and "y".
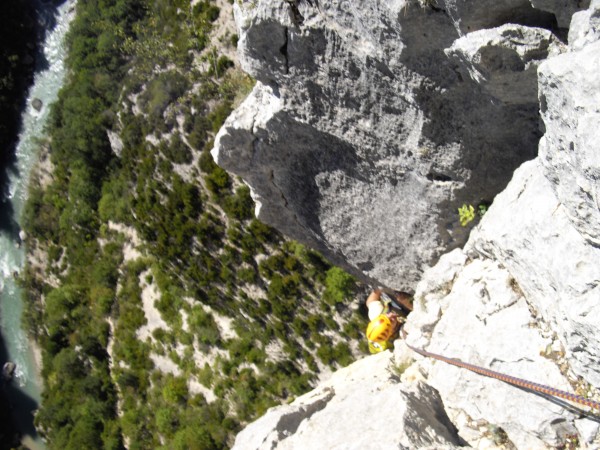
{"x": 362, "y": 137}
{"x": 37, "y": 104}
{"x": 352, "y": 410}
{"x": 8, "y": 370}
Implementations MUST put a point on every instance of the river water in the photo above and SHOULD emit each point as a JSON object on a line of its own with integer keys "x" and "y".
{"x": 24, "y": 391}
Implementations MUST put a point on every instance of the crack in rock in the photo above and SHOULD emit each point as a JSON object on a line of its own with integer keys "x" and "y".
{"x": 289, "y": 423}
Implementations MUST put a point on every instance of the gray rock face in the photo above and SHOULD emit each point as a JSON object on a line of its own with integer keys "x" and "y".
{"x": 468, "y": 16}
{"x": 585, "y": 27}
{"x": 504, "y": 60}
{"x": 570, "y": 106}
{"x": 521, "y": 297}
{"x": 551, "y": 14}
{"x": 551, "y": 261}
{"x": 116, "y": 144}
{"x": 362, "y": 137}
{"x": 473, "y": 310}
{"x": 344, "y": 412}
{"x": 552, "y": 248}
{"x": 563, "y": 10}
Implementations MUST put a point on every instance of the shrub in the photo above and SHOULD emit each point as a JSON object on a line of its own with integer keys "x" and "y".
{"x": 204, "y": 10}
{"x": 247, "y": 275}
{"x": 218, "y": 182}
{"x": 40, "y": 217}
{"x": 354, "y": 328}
{"x": 330, "y": 322}
{"x": 240, "y": 206}
{"x": 115, "y": 203}
{"x": 342, "y": 354}
{"x": 311, "y": 362}
{"x": 326, "y": 354}
{"x": 206, "y": 162}
{"x": 176, "y": 151}
{"x": 166, "y": 421}
{"x": 175, "y": 390}
{"x": 315, "y": 323}
{"x": 206, "y": 375}
{"x": 339, "y": 285}
{"x": 169, "y": 304}
{"x": 240, "y": 347}
{"x": 291, "y": 263}
{"x": 199, "y": 132}
{"x": 256, "y": 356}
{"x": 223, "y": 63}
{"x": 219, "y": 114}
{"x": 132, "y": 134}
{"x": 203, "y": 326}
{"x": 162, "y": 91}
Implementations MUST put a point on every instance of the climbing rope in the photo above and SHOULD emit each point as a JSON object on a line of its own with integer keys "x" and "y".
{"x": 547, "y": 390}
{"x": 507, "y": 378}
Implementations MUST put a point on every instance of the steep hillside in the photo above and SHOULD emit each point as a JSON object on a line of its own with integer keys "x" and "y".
{"x": 167, "y": 315}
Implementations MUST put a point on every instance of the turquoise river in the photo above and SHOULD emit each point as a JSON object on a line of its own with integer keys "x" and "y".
{"x": 24, "y": 391}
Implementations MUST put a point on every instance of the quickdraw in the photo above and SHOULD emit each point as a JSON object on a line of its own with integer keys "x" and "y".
{"x": 508, "y": 379}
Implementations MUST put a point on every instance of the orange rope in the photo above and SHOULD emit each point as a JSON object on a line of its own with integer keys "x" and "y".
{"x": 508, "y": 379}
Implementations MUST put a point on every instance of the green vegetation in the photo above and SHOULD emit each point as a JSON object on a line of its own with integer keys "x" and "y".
{"x": 482, "y": 209}
{"x": 339, "y": 286}
{"x": 466, "y": 213}
{"x": 246, "y": 318}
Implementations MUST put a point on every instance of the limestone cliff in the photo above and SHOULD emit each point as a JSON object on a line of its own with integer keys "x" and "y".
{"x": 435, "y": 104}
{"x": 371, "y": 122}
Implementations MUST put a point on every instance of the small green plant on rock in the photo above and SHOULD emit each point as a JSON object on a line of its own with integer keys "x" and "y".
{"x": 466, "y": 214}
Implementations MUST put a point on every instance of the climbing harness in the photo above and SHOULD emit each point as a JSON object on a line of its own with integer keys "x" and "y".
{"x": 507, "y": 378}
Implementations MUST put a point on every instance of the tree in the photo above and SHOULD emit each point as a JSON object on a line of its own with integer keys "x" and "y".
{"x": 339, "y": 285}
{"x": 175, "y": 390}
{"x": 86, "y": 434}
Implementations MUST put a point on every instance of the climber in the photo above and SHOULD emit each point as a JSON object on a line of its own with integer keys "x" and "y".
{"x": 385, "y": 323}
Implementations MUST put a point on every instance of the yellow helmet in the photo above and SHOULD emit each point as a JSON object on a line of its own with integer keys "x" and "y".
{"x": 380, "y": 329}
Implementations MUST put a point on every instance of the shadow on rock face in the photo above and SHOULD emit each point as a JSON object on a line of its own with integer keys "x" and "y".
{"x": 378, "y": 135}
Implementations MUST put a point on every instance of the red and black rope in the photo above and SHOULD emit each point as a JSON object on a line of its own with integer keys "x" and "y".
{"x": 508, "y": 378}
